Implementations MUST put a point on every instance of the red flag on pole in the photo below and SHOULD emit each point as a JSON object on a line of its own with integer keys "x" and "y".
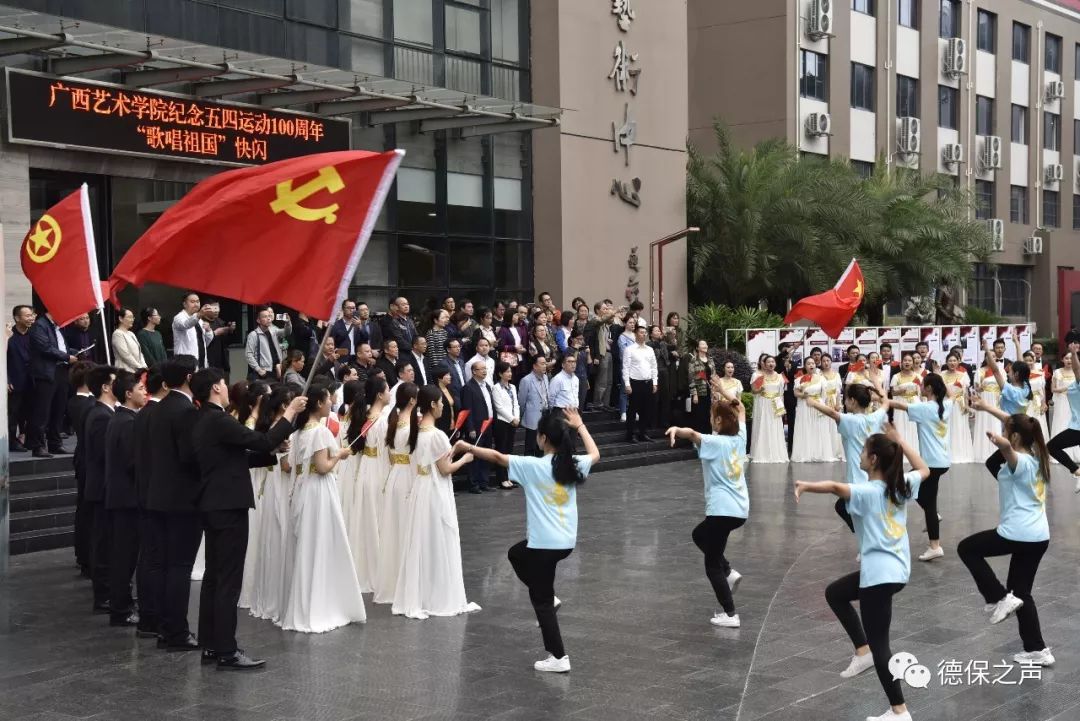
{"x": 291, "y": 232}
{"x": 60, "y": 260}
{"x": 834, "y": 308}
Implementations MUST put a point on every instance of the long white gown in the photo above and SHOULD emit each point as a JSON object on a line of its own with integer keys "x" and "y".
{"x": 1061, "y": 414}
{"x": 395, "y": 497}
{"x": 830, "y": 396}
{"x": 905, "y": 387}
{"x": 268, "y": 590}
{"x": 430, "y": 582}
{"x": 989, "y": 392}
{"x": 323, "y": 591}
{"x": 251, "y": 558}
{"x": 812, "y": 443}
{"x": 1034, "y": 406}
{"x": 961, "y": 445}
{"x": 767, "y": 442}
{"x": 372, "y": 469}
{"x": 346, "y": 471}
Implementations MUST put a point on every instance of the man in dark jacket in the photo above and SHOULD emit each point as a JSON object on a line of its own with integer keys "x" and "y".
{"x": 77, "y": 407}
{"x": 121, "y": 497}
{"x": 476, "y": 398}
{"x": 150, "y": 573}
{"x": 20, "y": 384}
{"x": 226, "y": 450}
{"x": 217, "y": 350}
{"x": 49, "y": 363}
{"x": 95, "y": 427}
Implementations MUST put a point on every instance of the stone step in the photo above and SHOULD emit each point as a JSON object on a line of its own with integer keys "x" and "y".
{"x": 42, "y": 540}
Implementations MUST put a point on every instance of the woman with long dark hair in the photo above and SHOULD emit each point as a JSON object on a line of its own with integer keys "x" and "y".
{"x": 550, "y": 484}
{"x": 352, "y": 406}
{"x": 366, "y": 436}
{"x": 879, "y": 511}
{"x": 1022, "y": 533}
{"x": 250, "y": 398}
{"x": 395, "y": 492}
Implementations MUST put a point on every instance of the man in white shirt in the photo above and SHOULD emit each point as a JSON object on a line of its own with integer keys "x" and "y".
{"x": 639, "y": 382}
{"x": 564, "y": 386}
{"x": 263, "y": 347}
{"x": 483, "y": 349}
{"x": 190, "y": 335}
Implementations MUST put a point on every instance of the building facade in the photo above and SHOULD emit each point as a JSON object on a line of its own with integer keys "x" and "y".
{"x": 984, "y": 91}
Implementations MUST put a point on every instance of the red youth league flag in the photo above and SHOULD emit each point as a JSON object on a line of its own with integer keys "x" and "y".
{"x": 833, "y": 309}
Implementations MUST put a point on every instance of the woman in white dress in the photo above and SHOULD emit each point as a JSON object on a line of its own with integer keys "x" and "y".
{"x": 906, "y": 386}
{"x": 961, "y": 445}
{"x": 372, "y": 469}
{"x": 430, "y": 582}
{"x": 352, "y": 400}
{"x": 323, "y": 591}
{"x": 729, "y": 386}
{"x": 811, "y": 442}
{"x": 1036, "y": 407}
{"x": 395, "y": 493}
{"x": 990, "y": 394}
{"x": 245, "y": 400}
{"x": 1062, "y": 379}
{"x": 767, "y": 442}
{"x": 831, "y": 397}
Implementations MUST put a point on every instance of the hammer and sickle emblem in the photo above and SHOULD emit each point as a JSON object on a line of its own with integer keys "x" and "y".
{"x": 40, "y": 247}
{"x": 288, "y": 198}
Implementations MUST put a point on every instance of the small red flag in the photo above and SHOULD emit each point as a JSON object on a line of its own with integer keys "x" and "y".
{"x": 485, "y": 425}
{"x": 366, "y": 427}
{"x": 834, "y": 308}
{"x": 758, "y": 383}
{"x": 291, "y": 232}
{"x": 60, "y": 260}
{"x": 461, "y": 416}
{"x": 333, "y": 425}
{"x": 857, "y": 367}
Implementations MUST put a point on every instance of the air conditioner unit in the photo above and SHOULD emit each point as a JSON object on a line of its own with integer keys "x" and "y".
{"x": 908, "y": 140}
{"x": 991, "y": 153}
{"x": 952, "y": 153}
{"x": 818, "y": 124}
{"x": 820, "y": 25}
{"x": 1055, "y": 89}
{"x": 1055, "y": 173}
{"x": 996, "y": 226}
{"x": 955, "y": 57}
{"x": 1033, "y": 245}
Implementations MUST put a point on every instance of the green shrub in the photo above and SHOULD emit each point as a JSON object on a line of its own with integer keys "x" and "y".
{"x": 978, "y": 316}
{"x": 709, "y": 322}
{"x": 748, "y": 403}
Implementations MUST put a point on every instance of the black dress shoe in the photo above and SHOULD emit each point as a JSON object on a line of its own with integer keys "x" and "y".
{"x": 239, "y": 661}
{"x": 475, "y": 490}
{"x": 644, "y": 438}
{"x": 489, "y": 488}
{"x": 188, "y": 644}
{"x": 41, "y": 453}
{"x": 59, "y": 451}
{"x": 631, "y": 440}
{"x": 101, "y": 608}
{"x": 209, "y": 657}
{"x": 161, "y": 642}
{"x": 132, "y": 619}
{"x": 145, "y": 633}
{"x": 17, "y": 447}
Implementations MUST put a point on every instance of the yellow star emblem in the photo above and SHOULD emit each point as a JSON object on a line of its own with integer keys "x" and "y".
{"x": 44, "y": 241}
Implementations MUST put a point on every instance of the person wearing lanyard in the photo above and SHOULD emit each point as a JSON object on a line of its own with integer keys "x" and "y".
{"x": 878, "y": 508}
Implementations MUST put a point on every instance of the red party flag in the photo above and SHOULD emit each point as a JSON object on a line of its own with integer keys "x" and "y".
{"x": 60, "y": 260}
{"x": 834, "y": 308}
{"x": 290, "y": 232}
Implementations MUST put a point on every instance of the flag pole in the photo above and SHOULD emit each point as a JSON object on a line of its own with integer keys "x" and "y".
{"x": 315, "y": 363}
{"x": 105, "y": 335}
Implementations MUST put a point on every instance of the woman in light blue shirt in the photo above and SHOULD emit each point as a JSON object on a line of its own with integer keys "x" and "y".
{"x": 727, "y": 503}
{"x": 931, "y": 418}
{"x": 1023, "y": 531}
{"x": 878, "y": 508}
{"x": 1060, "y": 444}
{"x": 550, "y": 484}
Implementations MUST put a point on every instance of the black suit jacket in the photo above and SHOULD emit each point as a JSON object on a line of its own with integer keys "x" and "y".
{"x": 420, "y": 371}
{"x": 76, "y": 408}
{"x": 95, "y": 426}
{"x": 175, "y": 474}
{"x": 120, "y": 491}
{"x": 472, "y": 400}
{"x": 388, "y": 367}
{"x": 140, "y": 439}
{"x": 45, "y": 353}
{"x": 217, "y": 350}
{"x": 226, "y": 450}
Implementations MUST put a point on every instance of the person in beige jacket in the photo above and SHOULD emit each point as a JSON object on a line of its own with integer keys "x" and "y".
{"x": 127, "y": 353}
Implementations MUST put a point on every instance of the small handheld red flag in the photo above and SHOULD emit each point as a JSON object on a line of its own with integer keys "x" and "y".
{"x": 857, "y": 367}
{"x": 365, "y": 428}
{"x": 333, "y": 425}
{"x": 60, "y": 260}
{"x": 834, "y": 308}
{"x": 759, "y": 383}
{"x": 461, "y": 417}
{"x": 483, "y": 428}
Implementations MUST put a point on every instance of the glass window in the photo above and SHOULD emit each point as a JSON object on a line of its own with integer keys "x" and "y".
{"x": 513, "y": 265}
{"x": 984, "y": 199}
{"x": 464, "y": 74}
{"x": 471, "y": 263}
{"x": 862, "y": 168}
{"x": 1051, "y": 209}
{"x": 907, "y": 97}
{"x": 862, "y": 86}
{"x": 1076, "y": 212}
{"x": 1076, "y": 62}
{"x": 1012, "y": 279}
{"x": 1018, "y": 204}
{"x": 416, "y": 207}
{"x": 1076, "y": 137}
{"x": 465, "y": 211}
{"x": 950, "y": 18}
{"x": 375, "y": 268}
{"x": 1020, "y": 124}
{"x": 364, "y": 16}
{"x": 863, "y": 6}
{"x": 1051, "y": 131}
{"x": 983, "y": 291}
{"x": 984, "y": 115}
{"x": 363, "y": 56}
{"x": 908, "y": 13}
{"x": 320, "y": 13}
{"x": 1021, "y": 43}
{"x": 412, "y": 21}
{"x": 1053, "y": 53}
{"x": 814, "y": 78}
{"x": 510, "y": 151}
{"x": 948, "y": 107}
{"x": 505, "y": 31}
{"x": 417, "y": 66}
{"x": 987, "y": 29}
{"x": 462, "y": 29}
{"x": 421, "y": 261}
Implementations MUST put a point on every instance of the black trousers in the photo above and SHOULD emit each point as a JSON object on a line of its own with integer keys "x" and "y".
{"x": 226, "y": 545}
{"x": 47, "y": 412}
{"x": 19, "y": 404}
{"x": 841, "y": 510}
{"x": 124, "y": 559}
{"x": 536, "y": 569}
{"x": 100, "y": 551}
{"x": 504, "y": 443}
{"x": 711, "y": 536}
{"x": 928, "y": 500}
{"x": 700, "y": 420}
{"x": 875, "y": 604}
{"x": 1059, "y": 447}
{"x": 531, "y": 446}
{"x": 639, "y": 407}
{"x": 478, "y": 469}
{"x": 1024, "y": 564}
{"x": 662, "y": 418}
{"x": 84, "y": 523}
{"x": 180, "y": 533}
{"x": 150, "y": 573}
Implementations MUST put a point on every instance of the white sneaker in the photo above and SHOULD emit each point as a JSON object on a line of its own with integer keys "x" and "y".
{"x": 989, "y": 608}
{"x": 1005, "y": 608}
{"x": 858, "y": 665}
{"x": 858, "y": 558}
{"x": 891, "y": 715}
{"x": 622, "y": 418}
{"x": 725, "y": 621}
{"x": 931, "y": 553}
{"x": 1035, "y": 658}
{"x": 733, "y": 579}
{"x": 1077, "y": 489}
{"x": 553, "y": 665}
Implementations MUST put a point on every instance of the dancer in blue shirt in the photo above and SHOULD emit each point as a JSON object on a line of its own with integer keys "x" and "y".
{"x": 1059, "y": 445}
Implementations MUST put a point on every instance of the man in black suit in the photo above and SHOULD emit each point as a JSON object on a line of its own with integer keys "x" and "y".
{"x": 217, "y": 350}
{"x": 171, "y": 498}
{"x": 20, "y": 385}
{"x": 388, "y": 362}
{"x": 49, "y": 364}
{"x": 226, "y": 451}
{"x": 372, "y": 331}
{"x": 150, "y": 573}
{"x": 77, "y": 407}
{"x": 417, "y": 358}
{"x": 95, "y": 426}
{"x": 121, "y": 497}
{"x": 346, "y": 331}
{"x": 458, "y": 374}
{"x": 476, "y": 398}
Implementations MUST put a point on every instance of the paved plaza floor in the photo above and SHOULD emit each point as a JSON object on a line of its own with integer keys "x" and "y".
{"x": 635, "y": 621}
